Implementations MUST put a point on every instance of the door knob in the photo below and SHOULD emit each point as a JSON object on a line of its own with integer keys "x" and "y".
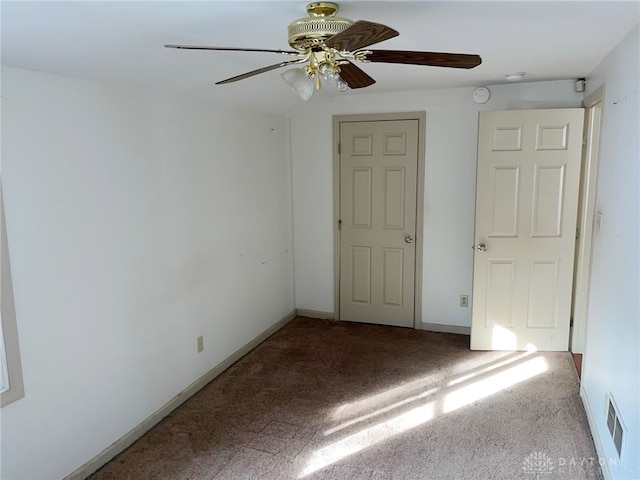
{"x": 408, "y": 238}
{"x": 481, "y": 247}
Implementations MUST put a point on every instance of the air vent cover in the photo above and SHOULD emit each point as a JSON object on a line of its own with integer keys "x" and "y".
{"x": 614, "y": 424}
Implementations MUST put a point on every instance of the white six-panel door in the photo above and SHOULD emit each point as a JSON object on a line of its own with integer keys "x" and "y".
{"x": 526, "y": 208}
{"x": 378, "y": 172}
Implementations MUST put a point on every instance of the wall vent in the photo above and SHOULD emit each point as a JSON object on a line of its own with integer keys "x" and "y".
{"x": 614, "y": 424}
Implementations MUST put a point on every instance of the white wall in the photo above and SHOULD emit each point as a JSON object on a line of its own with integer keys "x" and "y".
{"x": 612, "y": 355}
{"x": 450, "y": 173}
{"x": 134, "y": 226}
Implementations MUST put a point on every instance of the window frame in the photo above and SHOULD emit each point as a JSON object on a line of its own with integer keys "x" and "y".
{"x": 9, "y": 331}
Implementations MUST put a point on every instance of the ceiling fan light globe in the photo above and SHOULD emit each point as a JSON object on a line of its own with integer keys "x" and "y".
{"x": 341, "y": 85}
{"x": 331, "y": 77}
{"x": 300, "y": 82}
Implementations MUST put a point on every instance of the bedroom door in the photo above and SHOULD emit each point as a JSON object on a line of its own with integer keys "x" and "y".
{"x": 378, "y": 163}
{"x": 526, "y": 208}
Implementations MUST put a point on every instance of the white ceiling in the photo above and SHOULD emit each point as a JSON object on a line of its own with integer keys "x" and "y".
{"x": 122, "y": 42}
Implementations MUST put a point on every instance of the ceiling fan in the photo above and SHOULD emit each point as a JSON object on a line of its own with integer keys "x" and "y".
{"x": 328, "y": 46}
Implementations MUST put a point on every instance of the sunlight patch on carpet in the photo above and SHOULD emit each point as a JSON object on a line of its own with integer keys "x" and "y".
{"x": 363, "y": 407}
{"x": 380, "y": 411}
{"x": 463, "y": 390}
{"x": 374, "y": 401}
{"x": 494, "y": 366}
{"x": 494, "y": 384}
{"x": 368, "y": 437}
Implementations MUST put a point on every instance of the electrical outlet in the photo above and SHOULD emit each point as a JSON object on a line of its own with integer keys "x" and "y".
{"x": 464, "y": 300}
{"x": 200, "y": 343}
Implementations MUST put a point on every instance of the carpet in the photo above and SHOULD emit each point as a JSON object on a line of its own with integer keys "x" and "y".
{"x": 339, "y": 400}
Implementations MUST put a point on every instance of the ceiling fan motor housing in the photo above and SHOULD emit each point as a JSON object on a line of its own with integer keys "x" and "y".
{"x": 320, "y": 25}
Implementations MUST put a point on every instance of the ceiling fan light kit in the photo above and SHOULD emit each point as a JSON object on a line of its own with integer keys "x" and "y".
{"x": 300, "y": 82}
{"x": 328, "y": 46}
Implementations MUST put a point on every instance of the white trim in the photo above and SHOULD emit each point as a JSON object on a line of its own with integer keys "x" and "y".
{"x": 302, "y": 312}
{"x": 441, "y": 328}
{"x": 129, "y": 438}
{"x": 431, "y": 327}
{"x": 586, "y": 211}
{"x": 11, "y": 348}
{"x": 4, "y": 371}
{"x": 606, "y": 473}
{"x": 421, "y": 117}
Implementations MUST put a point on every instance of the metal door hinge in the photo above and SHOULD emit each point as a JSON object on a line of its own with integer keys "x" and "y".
{"x": 339, "y": 148}
{"x": 339, "y": 224}
{"x": 584, "y": 140}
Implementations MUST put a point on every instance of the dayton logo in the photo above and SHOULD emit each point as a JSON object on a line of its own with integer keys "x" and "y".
{"x": 537, "y": 463}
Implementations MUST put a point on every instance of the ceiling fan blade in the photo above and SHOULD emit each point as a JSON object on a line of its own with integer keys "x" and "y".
{"x": 434, "y": 59}
{"x": 232, "y": 49}
{"x": 258, "y": 71}
{"x": 359, "y": 35}
{"x": 354, "y": 76}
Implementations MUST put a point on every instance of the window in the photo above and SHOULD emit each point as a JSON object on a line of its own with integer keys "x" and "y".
{"x": 11, "y": 386}
{"x": 4, "y": 371}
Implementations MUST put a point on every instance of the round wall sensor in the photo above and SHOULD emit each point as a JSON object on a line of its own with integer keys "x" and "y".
{"x": 481, "y": 95}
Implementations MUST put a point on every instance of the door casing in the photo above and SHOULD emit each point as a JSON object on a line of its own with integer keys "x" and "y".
{"x": 586, "y": 209}
{"x": 381, "y": 117}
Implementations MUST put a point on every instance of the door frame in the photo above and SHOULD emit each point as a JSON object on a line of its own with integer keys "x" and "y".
{"x": 418, "y": 241}
{"x": 585, "y": 224}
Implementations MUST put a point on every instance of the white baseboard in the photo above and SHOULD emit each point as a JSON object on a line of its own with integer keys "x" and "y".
{"x": 606, "y": 473}
{"x": 441, "y": 328}
{"x": 128, "y": 439}
{"x": 433, "y": 327}
{"x": 316, "y": 314}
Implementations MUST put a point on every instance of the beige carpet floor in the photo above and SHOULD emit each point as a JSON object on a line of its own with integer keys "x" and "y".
{"x": 327, "y": 400}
